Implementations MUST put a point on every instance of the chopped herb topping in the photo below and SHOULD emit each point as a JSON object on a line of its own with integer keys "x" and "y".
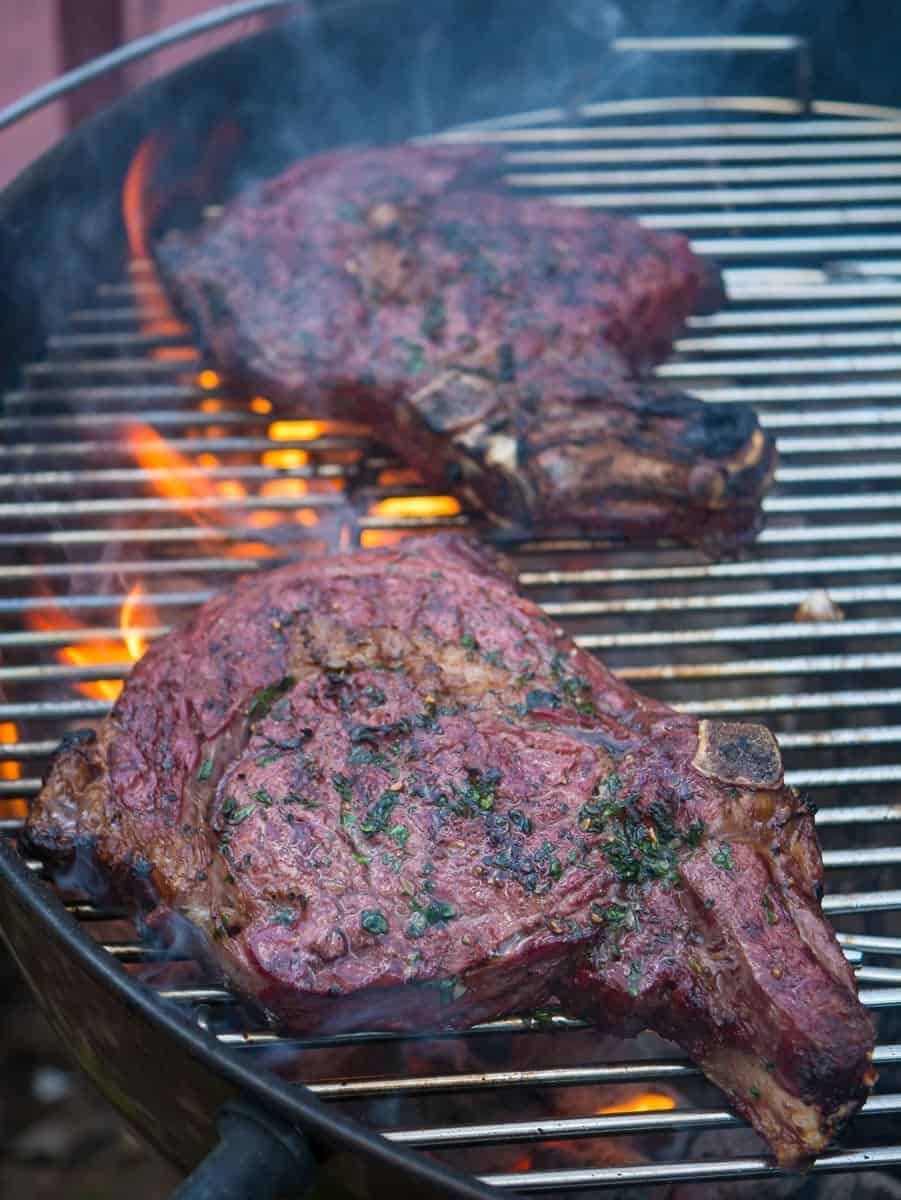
{"x": 365, "y": 756}
{"x": 769, "y": 910}
{"x": 468, "y": 642}
{"x": 638, "y": 855}
{"x": 374, "y": 695}
{"x": 520, "y": 820}
{"x": 610, "y": 914}
{"x": 480, "y": 792}
{"x": 235, "y": 816}
{"x": 603, "y": 804}
{"x": 417, "y": 926}
{"x": 363, "y": 859}
{"x": 263, "y": 700}
{"x": 293, "y": 798}
{"x": 293, "y": 743}
{"x": 400, "y": 835}
{"x": 636, "y": 970}
{"x": 755, "y": 1093}
{"x": 343, "y": 786}
{"x": 539, "y": 698}
{"x": 436, "y": 912}
{"x": 377, "y": 814}
{"x": 371, "y": 733}
{"x": 723, "y": 859}
{"x": 506, "y": 363}
{"x": 262, "y": 797}
{"x": 373, "y": 920}
{"x": 439, "y": 912}
{"x": 286, "y": 917}
{"x": 434, "y": 320}
{"x": 694, "y": 834}
{"x": 206, "y": 769}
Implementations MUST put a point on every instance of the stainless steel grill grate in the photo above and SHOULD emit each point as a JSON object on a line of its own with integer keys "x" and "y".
{"x": 801, "y": 213}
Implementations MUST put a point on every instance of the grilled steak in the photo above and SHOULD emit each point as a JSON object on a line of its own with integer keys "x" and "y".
{"x": 495, "y": 344}
{"x": 392, "y": 794}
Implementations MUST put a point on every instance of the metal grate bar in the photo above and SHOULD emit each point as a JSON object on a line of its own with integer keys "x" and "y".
{"x": 724, "y": 152}
{"x": 628, "y": 1072}
{"x": 723, "y": 570}
{"x": 600, "y": 1126}
{"x": 572, "y": 1179}
{"x": 777, "y": 632}
{"x": 769, "y": 131}
{"x": 700, "y": 175}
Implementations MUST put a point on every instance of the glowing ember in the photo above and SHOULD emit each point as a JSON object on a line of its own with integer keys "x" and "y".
{"x": 416, "y": 506}
{"x": 259, "y": 404}
{"x": 398, "y": 477}
{"x": 371, "y": 539}
{"x": 643, "y": 1102}
{"x": 9, "y": 734}
{"x": 208, "y": 380}
{"x": 285, "y": 459}
{"x": 298, "y": 431}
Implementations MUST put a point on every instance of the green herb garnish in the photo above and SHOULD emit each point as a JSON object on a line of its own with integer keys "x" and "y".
{"x": 263, "y": 700}
{"x": 343, "y": 786}
{"x": 377, "y": 814}
{"x": 723, "y": 859}
{"x": 374, "y": 920}
{"x": 236, "y": 815}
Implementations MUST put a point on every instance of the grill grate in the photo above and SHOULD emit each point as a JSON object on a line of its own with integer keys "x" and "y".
{"x": 801, "y": 215}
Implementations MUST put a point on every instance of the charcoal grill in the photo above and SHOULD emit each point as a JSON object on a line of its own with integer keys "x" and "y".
{"x": 800, "y": 202}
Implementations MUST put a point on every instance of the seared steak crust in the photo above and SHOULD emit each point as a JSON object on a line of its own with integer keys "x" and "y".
{"x": 391, "y": 794}
{"x": 494, "y": 343}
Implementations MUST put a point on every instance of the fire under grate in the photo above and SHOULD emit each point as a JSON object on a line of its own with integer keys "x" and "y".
{"x": 133, "y": 485}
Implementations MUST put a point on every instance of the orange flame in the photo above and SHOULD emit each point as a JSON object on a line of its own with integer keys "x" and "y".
{"x": 175, "y": 477}
{"x": 139, "y": 208}
{"x": 9, "y": 734}
{"x": 642, "y": 1102}
{"x": 400, "y": 507}
{"x": 88, "y": 651}
{"x": 135, "y": 642}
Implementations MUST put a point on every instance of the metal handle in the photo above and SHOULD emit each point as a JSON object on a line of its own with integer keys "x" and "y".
{"x": 258, "y": 1158}
{"x": 738, "y": 44}
{"x": 132, "y": 51}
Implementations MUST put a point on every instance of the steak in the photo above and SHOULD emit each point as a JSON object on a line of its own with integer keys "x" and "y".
{"x": 496, "y": 344}
{"x": 391, "y": 794}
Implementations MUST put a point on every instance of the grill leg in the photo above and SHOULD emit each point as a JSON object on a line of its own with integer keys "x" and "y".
{"x": 258, "y": 1158}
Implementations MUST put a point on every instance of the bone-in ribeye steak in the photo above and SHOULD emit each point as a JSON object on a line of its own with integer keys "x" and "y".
{"x": 494, "y": 343}
{"x": 394, "y": 795}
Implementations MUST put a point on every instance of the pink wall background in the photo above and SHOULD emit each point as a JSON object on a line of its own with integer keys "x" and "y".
{"x": 31, "y": 53}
